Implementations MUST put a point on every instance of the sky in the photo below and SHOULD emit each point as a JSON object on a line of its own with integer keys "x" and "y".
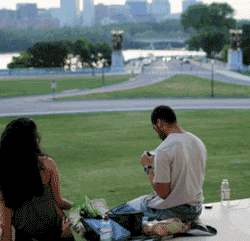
{"x": 241, "y": 7}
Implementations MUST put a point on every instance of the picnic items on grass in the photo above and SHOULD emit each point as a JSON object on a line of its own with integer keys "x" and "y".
{"x": 197, "y": 228}
{"x": 128, "y": 217}
{"x": 82, "y": 209}
{"x": 131, "y": 219}
{"x": 165, "y": 227}
{"x": 93, "y": 230}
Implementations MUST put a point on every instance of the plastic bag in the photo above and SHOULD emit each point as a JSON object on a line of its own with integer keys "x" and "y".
{"x": 82, "y": 209}
{"x": 165, "y": 227}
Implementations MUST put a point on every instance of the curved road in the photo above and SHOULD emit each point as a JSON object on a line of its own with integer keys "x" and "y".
{"x": 157, "y": 71}
{"x": 69, "y": 107}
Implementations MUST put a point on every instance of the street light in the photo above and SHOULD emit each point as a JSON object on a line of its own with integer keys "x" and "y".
{"x": 212, "y": 81}
{"x": 92, "y": 57}
{"x": 53, "y": 87}
{"x": 103, "y": 61}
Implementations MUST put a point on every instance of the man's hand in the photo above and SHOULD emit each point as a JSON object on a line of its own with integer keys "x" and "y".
{"x": 146, "y": 160}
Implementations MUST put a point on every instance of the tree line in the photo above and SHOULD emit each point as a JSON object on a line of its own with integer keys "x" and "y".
{"x": 212, "y": 24}
{"x": 12, "y": 40}
{"x": 52, "y": 54}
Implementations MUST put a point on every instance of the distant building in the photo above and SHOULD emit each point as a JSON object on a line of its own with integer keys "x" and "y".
{"x": 45, "y": 20}
{"x": 88, "y": 13}
{"x": 70, "y": 13}
{"x": 160, "y": 9}
{"x": 7, "y": 18}
{"x": 101, "y": 12}
{"x": 26, "y": 15}
{"x": 187, "y": 3}
{"x": 56, "y": 14}
{"x": 119, "y": 18}
{"x": 41, "y": 10}
{"x": 137, "y": 6}
{"x": 173, "y": 16}
{"x": 12, "y": 18}
{"x": 107, "y": 21}
{"x": 118, "y": 9}
{"x": 148, "y": 17}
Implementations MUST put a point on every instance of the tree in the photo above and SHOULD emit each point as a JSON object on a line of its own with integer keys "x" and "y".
{"x": 212, "y": 42}
{"x": 23, "y": 61}
{"x": 245, "y": 45}
{"x": 196, "y": 16}
{"x": 48, "y": 54}
{"x": 200, "y": 16}
{"x": 246, "y": 57}
{"x": 224, "y": 56}
{"x": 105, "y": 49}
{"x": 194, "y": 43}
{"x": 81, "y": 47}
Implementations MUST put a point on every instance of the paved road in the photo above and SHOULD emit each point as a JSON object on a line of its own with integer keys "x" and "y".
{"x": 37, "y": 105}
{"x": 50, "y": 107}
{"x": 158, "y": 71}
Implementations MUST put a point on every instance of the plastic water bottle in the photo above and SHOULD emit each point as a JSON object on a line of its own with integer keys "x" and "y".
{"x": 106, "y": 230}
{"x": 225, "y": 192}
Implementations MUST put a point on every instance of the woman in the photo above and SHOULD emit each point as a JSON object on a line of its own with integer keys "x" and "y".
{"x": 31, "y": 203}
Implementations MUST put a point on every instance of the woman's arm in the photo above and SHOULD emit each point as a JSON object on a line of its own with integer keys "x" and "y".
{"x": 7, "y": 230}
{"x": 63, "y": 203}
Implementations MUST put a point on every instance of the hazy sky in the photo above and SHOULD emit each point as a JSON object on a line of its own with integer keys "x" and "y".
{"x": 241, "y": 7}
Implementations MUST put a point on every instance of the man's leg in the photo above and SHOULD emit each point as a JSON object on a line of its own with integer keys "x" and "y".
{"x": 141, "y": 204}
{"x": 186, "y": 213}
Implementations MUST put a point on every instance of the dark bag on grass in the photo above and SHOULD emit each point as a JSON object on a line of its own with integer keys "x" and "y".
{"x": 128, "y": 217}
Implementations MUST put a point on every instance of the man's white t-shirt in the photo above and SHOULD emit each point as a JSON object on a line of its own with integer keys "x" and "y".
{"x": 180, "y": 160}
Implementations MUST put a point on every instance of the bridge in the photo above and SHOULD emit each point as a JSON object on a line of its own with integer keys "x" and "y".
{"x": 168, "y": 40}
{"x": 177, "y": 40}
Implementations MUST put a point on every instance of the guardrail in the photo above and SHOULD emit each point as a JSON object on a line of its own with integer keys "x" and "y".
{"x": 41, "y": 71}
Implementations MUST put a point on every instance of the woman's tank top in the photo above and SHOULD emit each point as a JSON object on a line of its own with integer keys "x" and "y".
{"x": 39, "y": 217}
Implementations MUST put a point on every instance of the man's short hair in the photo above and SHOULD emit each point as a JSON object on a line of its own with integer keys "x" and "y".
{"x": 164, "y": 113}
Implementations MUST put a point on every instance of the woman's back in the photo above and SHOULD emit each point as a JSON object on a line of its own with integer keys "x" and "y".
{"x": 39, "y": 217}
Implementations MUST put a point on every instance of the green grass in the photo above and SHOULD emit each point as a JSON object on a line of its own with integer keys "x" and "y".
{"x": 179, "y": 86}
{"x": 98, "y": 154}
{"x": 244, "y": 72}
{"x": 22, "y": 87}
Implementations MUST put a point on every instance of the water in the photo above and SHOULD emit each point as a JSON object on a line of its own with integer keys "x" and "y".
{"x": 132, "y": 54}
{"x": 6, "y": 58}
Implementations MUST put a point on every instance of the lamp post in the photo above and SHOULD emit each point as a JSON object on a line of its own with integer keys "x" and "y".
{"x": 92, "y": 57}
{"x": 53, "y": 87}
{"x": 212, "y": 81}
{"x": 103, "y": 61}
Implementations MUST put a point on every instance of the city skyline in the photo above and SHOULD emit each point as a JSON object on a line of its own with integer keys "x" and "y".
{"x": 242, "y": 7}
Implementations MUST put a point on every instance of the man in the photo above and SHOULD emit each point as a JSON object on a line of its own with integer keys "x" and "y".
{"x": 178, "y": 174}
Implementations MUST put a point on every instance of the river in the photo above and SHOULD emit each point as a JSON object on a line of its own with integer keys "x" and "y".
{"x": 6, "y": 58}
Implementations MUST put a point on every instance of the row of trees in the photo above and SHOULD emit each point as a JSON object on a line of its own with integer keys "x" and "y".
{"x": 54, "y": 54}
{"x": 212, "y": 24}
{"x": 20, "y": 39}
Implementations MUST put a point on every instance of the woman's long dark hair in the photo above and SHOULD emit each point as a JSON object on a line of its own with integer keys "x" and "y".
{"x": 20, "y": 178}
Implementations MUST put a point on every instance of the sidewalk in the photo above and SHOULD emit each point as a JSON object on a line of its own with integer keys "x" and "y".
{"x": 128, "y": 70}
{"x": 221, "y": 68}
{"x": 232, "y": 224}
{"x": 218, "y": 65}
{"x": 140, "y": 80}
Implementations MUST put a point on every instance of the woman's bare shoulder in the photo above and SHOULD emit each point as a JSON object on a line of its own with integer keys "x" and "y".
{"x": 46, "y": 160}
{"x": 47, "y": 163}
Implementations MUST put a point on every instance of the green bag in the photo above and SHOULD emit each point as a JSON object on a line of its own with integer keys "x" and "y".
{"x": 83, "y": 208}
